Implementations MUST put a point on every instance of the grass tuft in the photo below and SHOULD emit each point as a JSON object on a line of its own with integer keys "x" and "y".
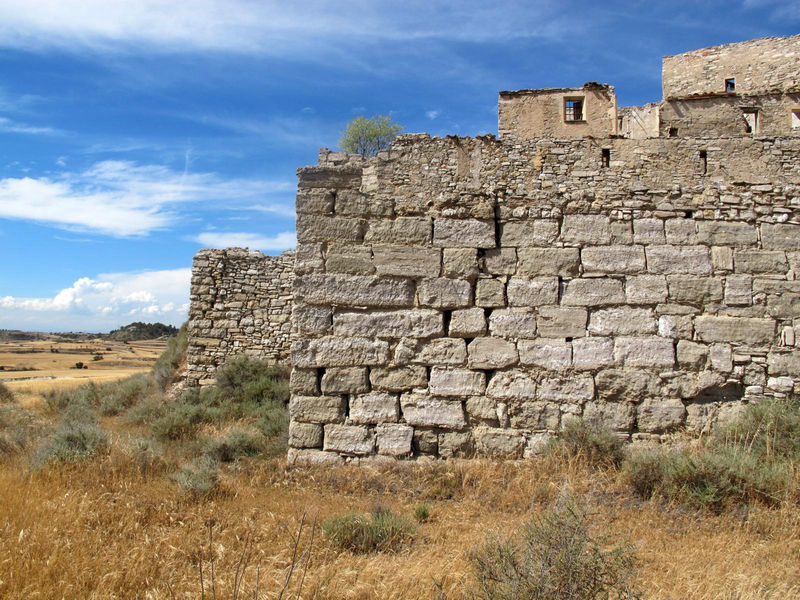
{"x": 200, "y": 478}
{"x": 379, "y": 531}
{"x": 77, "y": 437}
{"x": 598, "y": 446}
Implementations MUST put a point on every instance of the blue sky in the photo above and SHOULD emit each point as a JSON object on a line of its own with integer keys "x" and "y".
{"x": 134, "y": 133}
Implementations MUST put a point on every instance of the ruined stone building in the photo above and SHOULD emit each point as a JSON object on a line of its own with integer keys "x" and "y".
{"x": 634, "y": 267}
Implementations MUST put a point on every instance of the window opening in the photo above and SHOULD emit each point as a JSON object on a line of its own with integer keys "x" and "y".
{"x": 704, "y": 160}
{"x": 605, "y": 157}
{"x": 730, "y": 85}
{"x": 750, "y": 120}
{"x": 673, "y": 132}
{"x": 620, "y": 124}
{"x": 573, "y": 109}
{"x": 796, "y": 119}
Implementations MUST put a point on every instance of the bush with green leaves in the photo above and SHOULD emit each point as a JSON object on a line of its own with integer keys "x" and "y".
{"x": 167, "y": 364}
{"x": 18, "y": 428}
{"x": 379, "y": 531}
{"x": 77, "y": 437}
{"x": 558, "y": 554}
{"x": 369, "y": 135}
{"x": 598, "y": 446}
{"x": 235, "y": 443}
{"x": 88, "y": 394}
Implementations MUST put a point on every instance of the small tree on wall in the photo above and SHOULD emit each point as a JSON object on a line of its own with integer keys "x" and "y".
{"x": 368, "y": 136}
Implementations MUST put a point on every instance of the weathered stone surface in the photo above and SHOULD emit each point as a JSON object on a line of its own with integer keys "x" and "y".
{"x": 481, "y": 409}
{"x": 511, "y": 385}
{"x": 615, "y": 416}
{"x": 314, "y": 201}
{"x": 496, "y": 442}
{"x": 675, "y": 326}
{"x": 721, "y": 357}
{"x": 691, "y": 355}
{"x": 455, "y": 233}
{"x": 349, "y": 439}
{"x": 317, "y": 409}
{"x": 444, "y": 293}
{"x": 309, "y": 259}
{"x": 304, "y": 382}
{"x": 345, "y": 380}
{"x": 681, "y": 232}
{"x": 356, "y": 260}
{"x": 760, "y": 261}
{"x": 738, "y": 290}
{"x": 646, "y": 289}
{"x": 692, "y": 260}
{"x": 593, "y": 292}
{"x": 468, "y": 323}
{"x": 357, "y": 204}
{"x": 399, "y": 379}
{"x": 377, "y": 407}
{"x": 411, "y": 231}
{"x": 576, "y": 389}
{"x": 490, "y": 293}
{"x": 315, "y": 228}
{"x": 590, "y": 353}
{"x": 538, "y": 416}
{"x": 586, "y": 229}
{"x": 626, "y": 385}
{"x": 552, "y": 354}
{"x": 456, "y": 382}
{"x": 532, "y": 292}
{"x": 538, "y": 232}
{"x": 685, "y": 289}
{"x": 613, "y": 259}
{"x": 656, "y": 416}
{"x": 460, "y": 263}
{"x": 407, "y": 261}
{"x": 305, "y": 435}
{"x": 533, "y": 262}
{"x": 491, "y": 353}
{"x": 726, "y": 233}
{"x": 339, "y": 352}
{"x": 354, "y": 290}
{"x": 425, "y": 442}
{"x": 418, "y": 323}
{"x": 780, "y": 236}
{"x": 644, "y": 352}
{"x": 561, "y": 322}
{"x": 306, "y": 457}
{"x": 513, "y": 323}
{"x": 394, "y": 440}
{"x": 454, "y": 444}
{"x": 734, "y": 329}
{"x": 784, "y": 363}
{"x": 423, "y": 410}
{"x": 648, "y": 231}
{"x": 312, "y": 320}
{"x": 623, "y": 320}
{"x": 500, "y": 261}
{"x": 444, "y": 351}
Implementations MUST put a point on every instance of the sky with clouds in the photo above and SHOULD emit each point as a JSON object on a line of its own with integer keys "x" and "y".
{"x": 135, "y": 133}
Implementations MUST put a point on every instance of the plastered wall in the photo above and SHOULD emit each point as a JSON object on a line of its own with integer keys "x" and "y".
{"x": 466, "y": 296}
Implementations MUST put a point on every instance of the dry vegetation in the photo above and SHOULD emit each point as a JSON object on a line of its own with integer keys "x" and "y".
{"x": 122, "y": 524}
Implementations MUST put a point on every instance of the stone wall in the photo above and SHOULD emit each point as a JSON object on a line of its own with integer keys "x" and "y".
{"x": 639, "y": 122}
{"x": 458, "y": 296}
{"x": 762, "y": 66}
{"x": 241, "y": 302}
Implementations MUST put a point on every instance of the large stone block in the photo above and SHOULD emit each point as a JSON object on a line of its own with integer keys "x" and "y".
{"x": 315, "y": 228}
{"x": 646, "y": 289}
{"x": 511, "y": 385}
{"x": 411, "y": 231}
{"x": 354, "y": 290}
{"x": 532, "y": 292}
{"x": 482, "y": 410}
{"x": 460, "y": 263}
{"x": 305, "y": 435}
{"x": 613, "y": 259}
{"x": 591, "y": 353}
{"x": 586, "y": 229}
{"x": 398, "y": 379}
{"x": 784, "y": 363}
{"x": 739, "y": 290}
{"x": 537, "y": 416}
{"x": 377, "y": 407}
{"x": 537, "y": 232}
{"x": 497, "y": 442}
{"x": 735, "y": 329}
{"x": 548, "y": 261}
{"x": 653, "y": 352}
{"x": 727, "y": 233}
{"x": 697, "y": 291}
{"x": 593, "y": 292}
{"x": 561, "y": 322}
{"x": 418, "y": 323}
{"x": 345, "y": 380}
{"x": 394, "y": 440}
{"x": 314, "y": 201}
{"x": 304, "y": 382}
{"x": 623, "y": 320}
{"x": 576, "y": 389}
{"x": 358, "y": 204}
{"x": 312, "y": 320}
{"x": 756, "y": 262}
{"x": 490, "y": 293}
{"x": 691, "y": 355}
{"x": 407, "y": 261}
{"x": 444, "y": 293}
{"x": 457, "y": 233}
{"x": 648, "y": 231}
{"x": 339, "y": 177}
{"x": 615, "y": 416}
{"x": 552, "y": 354}
{"x": 424, "y": 411}
{"x": 666, "y": 260}
{"x": 309, "y": 457}
{"x": 681, "y": 232}
{"x": 627, "y": 385}
{"x": 468, "y": 323}
{"x": 339, "y": 352}
{"x": 454, "y": 444}
{"x": 308, "y": 258}
{"x": 659, "y": 415}
{"x": 780, "y": 236}
{"x": 500, "y": 261}
{"x": 349, "y": 439}
{"x": 513, "y": 323}
{"x": 456, "y": 382}
{"x": 317, "y": 409}
{"x": 491, "y": 353}
{"x": 443, "y": 351}
{"x": 344, "y": 258}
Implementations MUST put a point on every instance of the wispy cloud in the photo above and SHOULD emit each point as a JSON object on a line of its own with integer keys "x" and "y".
{"x": 121, "y": 198}
{"x": 217, "y": 239}
{"x": 105, "y": 301}
{"x": 15, "y": 127}
{"x": 433, "y": 114}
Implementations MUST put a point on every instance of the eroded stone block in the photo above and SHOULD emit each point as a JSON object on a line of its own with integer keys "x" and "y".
{"x": 491, "y": 353}
{"x": 497, "y": 442}
{"x": 399, "y": 379}
{"x": 653, "y": 352}
{"x": 305, "y": 435}
{"x": 548, "y": 261}
{"x": 456, "y": 382}
{"x": 513, "y": 322}
{"x": 345, "y": 380}
{"x": 407, "y": 261}
{"x": 613, "y": 259}
{"x": 425, "y": 411}
{"x": 444, "y": 293}
{"x": 349, "y": 439}
{"x": 354, "y": 290}
{"x": 562, "y": 322}
{"x": 532, "y": 292}
{"x": 593, "y": 292}
{"x": 623, "y": 320}
{"x": 468, "y": 323}
{"x": 394, "y": 440}
{"x": 317, "y": 409}
{"x": 418, "y": 323}
{"x": 455, "y": 233}
{"x": 553, "y": 354}
{"x": 511, "y": 385}
{"x": 377, "y": 407}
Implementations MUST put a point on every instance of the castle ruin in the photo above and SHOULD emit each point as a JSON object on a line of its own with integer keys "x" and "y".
{"x": 633, "y": 267}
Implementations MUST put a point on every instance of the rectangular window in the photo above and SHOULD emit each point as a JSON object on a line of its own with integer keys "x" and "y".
{"x": 730, "y": 85}
{"x": 796, "y": 119}
{"x": 605, "y": 158}
{"x": 704, "y": 161}
{"x": 573, "y": 109}
{"x": 750, "y": 120}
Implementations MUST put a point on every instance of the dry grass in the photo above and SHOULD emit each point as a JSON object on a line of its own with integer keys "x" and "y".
{"x": 102, "y": 529}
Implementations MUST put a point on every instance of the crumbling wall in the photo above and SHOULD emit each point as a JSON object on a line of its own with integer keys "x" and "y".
{"x": 639, "y": 122}
{"x": 459, "y": 296}
{"x": 529, "y": 114}
{"x": 762, "y": 66}
{"x": 241, "y": 302}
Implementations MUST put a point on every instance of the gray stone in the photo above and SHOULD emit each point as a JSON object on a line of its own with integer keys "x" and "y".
{"x": 500, "y": 261}
{"x": 356, "y": 260}
{"x": 538, "y": 443}
{"x": 623, "y": 320}
{"x": 562, "y": 322}
{"x": 784, "y": 363}
{"x": 394, "y": 440}
{"x": 656, "y": 416}
{"x": 496, "y": 442}
{"x": 411, "y": 231}
{"x": 482, "y": 410}
{"x": 444, "y": 351}
{"x": 444, "y": 293}
{"x": 532, "y": 292}
{"x": 552, "y": 354}
{"x": 780, "y": 236}
{"x": 590, "y": 353}
{"x": 491, "y": 353}
{"x": 734, "y": 329}
{"x": 304, "y": 382}
{"x": 490, "y": 293}
{"x": 418, "y": 323}
{"x": 685, "y": 289}
{"x": 513, "y": 323}
{"x": 648, "y": 231}
{"x": 721, "y": 357}
{"x": 456, "y": 445}
{"x": 339, "y": 352}
{"x": 306, "y": 457}
{"x": 760, "y": 261}
{"x": 407, "y": 261}
{"x": 722, "y": 258}
{"x": 586, "y": 229}
{"x": 314, "y": 201}
{"x": 653, "y": 352}
{"x": 468, "y": 323}
{"x": 675, "y": 326}
{"x": 345, "y": 380}
{"x": 593, "y": 292}
{"x": 312, "y": 320}
{"x": 534, "y": 415}
{"x": 538, "y": 232}
{"x": 308, "y": 258}
{"x": 317, "y": 409}
{"x": 627, "y": 385}
{"x": 456, "y": 382}
{"x": 613, "y": 259}
{"x": 315, "y": 228}
{"x": 682, "y": 232}
{"x": 615, "y": 416}
{"x": 425, "y": 442}
{"x": 646, "y": 289}
{"x": 425, "y": 411}
{"x": 354, "y": 290}
{"x": 665, "y": 260}
{"x": 399, "y": 379}
{"x": 460, "y": 263}
{"x": 691, "y": 355}
{"x": 548, "y": 261}
{"x": 738, "y": 290}
{"x": 305, "y": 435}
{"x": 575, "y": 389}
{"x": 377, "y": 407}
{"x": 349, "y": 439}
{"x": 726, "y": 233}
{"x": 511, "y": 385}
{"x": 455, "y": 233}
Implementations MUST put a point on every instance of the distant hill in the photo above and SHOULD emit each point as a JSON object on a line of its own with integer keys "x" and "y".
{"x": 141, "y": 331}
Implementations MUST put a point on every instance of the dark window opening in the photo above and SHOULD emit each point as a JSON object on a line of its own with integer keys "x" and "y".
{"x": 730, "y": 85}
{"x": 673, "y": 132}
{"x": 704, "y": 160}
{"x": 688, "y": 214}
{"x": 750, "y": 120}
{"x": 605, "y": 159}
{"x": 573, "y": 109}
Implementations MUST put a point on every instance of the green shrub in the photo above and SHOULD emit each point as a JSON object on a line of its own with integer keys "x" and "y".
{"x": 557, "y": 555}
{"x": 422, "y": 512}
{"x": 86, "y": 394}
{"x": 167, "y": 364}
{"x": 120, "y": 395}
{"x": 78, "y": 437}
{"x": 598, "y": 446}
{"x": 379, "y": 531}
{"x": 768, "y": 429}
{"x": 200, "y": 477}
{"x": 236, "y": 443}
{"x": 247, "y": 379}
{"x": 17, "y": 428}
{"x": 6, "y": 395}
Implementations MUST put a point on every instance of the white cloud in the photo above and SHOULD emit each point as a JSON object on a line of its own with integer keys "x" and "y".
{"x": 103, "y": 303}
{"x": 15, "y": 127}
{"x": 432, "y": 114}
{"x": 283, "y": 241}
{"x": 120, "y": 198}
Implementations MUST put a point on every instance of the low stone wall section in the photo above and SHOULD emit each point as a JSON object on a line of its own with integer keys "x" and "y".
{"x": 241, "y": 302}
{"x": 466, "y": 296}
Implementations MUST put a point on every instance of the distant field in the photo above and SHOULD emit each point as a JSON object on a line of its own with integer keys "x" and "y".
{"x": 37, "y": 366}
